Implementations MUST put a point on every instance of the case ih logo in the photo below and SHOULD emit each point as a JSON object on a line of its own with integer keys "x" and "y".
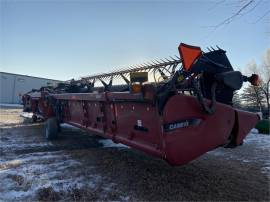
{"x": 181, "y": 124}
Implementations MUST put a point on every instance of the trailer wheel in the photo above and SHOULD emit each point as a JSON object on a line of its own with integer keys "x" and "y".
{"x": 34, "y": 118}
{"x": 59, "y": 127}
{"x": 51, "y": 128}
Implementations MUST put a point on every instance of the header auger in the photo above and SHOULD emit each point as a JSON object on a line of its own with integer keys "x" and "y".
{"x": 176, "y": 109}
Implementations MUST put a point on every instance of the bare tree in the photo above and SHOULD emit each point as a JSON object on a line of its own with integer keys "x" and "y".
{"x": 252, "y": 97}
{"x": 265, "y": 69}
{"x": 237, "y": 102}
{"x": 258, "y": 96}
{"x": 244, "y": 7}
{"x": 236, "y": 14}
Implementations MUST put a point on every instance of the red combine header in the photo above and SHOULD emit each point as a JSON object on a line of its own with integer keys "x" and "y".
{"x": 183, "y": 113}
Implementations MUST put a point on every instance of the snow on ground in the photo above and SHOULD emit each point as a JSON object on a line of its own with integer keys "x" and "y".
{"x": 82, "y": 167}
{"x": 25, "y": 172}
{"x": 22, "y": 177}
{"x": 26, "y": 115}
{"x": 68, "y": 126}
{"x": 260, "y": 145}
{"x": 110, "y": 143}
{"x": 32, "y": 168}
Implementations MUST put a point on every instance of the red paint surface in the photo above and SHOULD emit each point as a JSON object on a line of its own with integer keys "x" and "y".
{"x": 244, "y": 123}
{"x": 119, "y": 115}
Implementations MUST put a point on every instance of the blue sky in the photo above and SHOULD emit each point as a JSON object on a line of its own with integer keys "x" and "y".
{"x": 67, "y": 39}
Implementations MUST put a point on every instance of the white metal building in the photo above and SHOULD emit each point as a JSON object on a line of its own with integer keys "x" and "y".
{"x": 13, "y": 86}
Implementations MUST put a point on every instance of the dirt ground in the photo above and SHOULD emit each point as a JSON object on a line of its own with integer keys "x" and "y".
{"x": 81, "y": 167}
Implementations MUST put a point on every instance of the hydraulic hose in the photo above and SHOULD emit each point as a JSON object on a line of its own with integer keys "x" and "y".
{"x": 212, "y": 107}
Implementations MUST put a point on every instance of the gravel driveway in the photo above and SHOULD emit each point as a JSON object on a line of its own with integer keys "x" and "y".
{"x": 82, "y": 167}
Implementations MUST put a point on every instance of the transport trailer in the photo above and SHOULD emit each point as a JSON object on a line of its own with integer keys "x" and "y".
{"x": 183, "y": 115}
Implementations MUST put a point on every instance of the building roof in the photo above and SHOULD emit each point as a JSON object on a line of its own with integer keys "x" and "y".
{"x": 30, "y": 76}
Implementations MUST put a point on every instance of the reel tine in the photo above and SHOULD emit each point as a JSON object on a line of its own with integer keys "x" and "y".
{"x": 154, "y": 62}
{"x": 158, "y": 62}
{"x": 163, "y": 60}
{"x": 218, "y": 47}
{"x": 168, "y": 64}
{"x": 149, "y": 63}
{"x": 177, "y": 57}
{"x": 168, "y": 60}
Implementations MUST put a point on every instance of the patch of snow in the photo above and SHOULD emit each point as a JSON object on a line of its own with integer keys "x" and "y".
{"x": 42, "y": 170}
{"x": 254, "y": 130}
{"x": 11, "y": 105}
{"x": 260, "y": 140}
{"x": 256, "y": 149}
{"x": 29, "y": 164}
{"x": 26, "y": 114}
{"x": 110, "y": 143}
{"x": 14, "y": 142}
{"x": 9, "y": 164}
{"x": 25, "y": 146}
{"x": 16, "y": 195}
{"x": 68, "y": 126}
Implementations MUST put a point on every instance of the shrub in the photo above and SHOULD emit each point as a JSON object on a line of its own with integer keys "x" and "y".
{"x": 263, "y": 126}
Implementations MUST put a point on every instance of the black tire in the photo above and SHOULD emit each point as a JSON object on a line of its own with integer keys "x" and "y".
{"x": 59, "y": 128}
{"x": 51, "y": 128}
{"x": 34, "y": 118}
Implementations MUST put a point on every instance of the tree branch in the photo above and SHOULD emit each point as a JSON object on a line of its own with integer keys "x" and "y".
{"x": 231, "y": 18}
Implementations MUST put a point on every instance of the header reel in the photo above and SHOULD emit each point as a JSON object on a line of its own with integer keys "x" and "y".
{"x": 207, "y": 75}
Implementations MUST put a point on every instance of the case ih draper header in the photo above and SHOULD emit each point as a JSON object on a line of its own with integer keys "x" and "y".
{"x": 185, "y": 112}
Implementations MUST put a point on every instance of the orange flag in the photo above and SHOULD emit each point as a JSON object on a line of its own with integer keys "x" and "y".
{"x": 189, "y": 54}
